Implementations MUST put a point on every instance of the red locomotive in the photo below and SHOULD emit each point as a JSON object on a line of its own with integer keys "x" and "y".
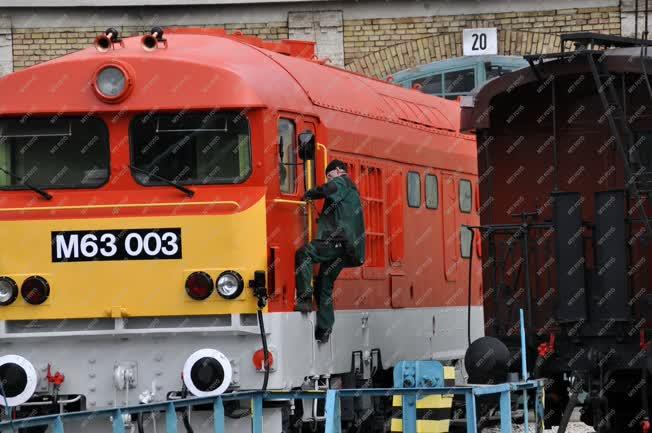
{"x": 143, "y": 175}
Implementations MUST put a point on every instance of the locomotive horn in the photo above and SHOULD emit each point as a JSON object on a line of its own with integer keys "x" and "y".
{"x": 104, "y": 42}
{"x": 207, "y": 372}
{"x": 150, "y": 42}
{"x": 18, "y": 380}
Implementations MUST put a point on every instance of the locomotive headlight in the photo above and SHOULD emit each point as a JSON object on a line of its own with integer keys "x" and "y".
{"x": 230, "y": 285}
{"x": 8, "y": 291}
{"x": 112, "y": 83}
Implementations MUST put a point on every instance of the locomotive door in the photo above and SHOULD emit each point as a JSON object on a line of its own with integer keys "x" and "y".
{"x": 288, "y": 214}
{"x": 450, "y": 226}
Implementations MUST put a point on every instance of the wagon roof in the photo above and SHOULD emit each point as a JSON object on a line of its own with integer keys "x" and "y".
{"x": 477, "y": 107}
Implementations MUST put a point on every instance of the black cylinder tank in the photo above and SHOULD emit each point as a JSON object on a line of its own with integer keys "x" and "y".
{"x": 486, "y": 361}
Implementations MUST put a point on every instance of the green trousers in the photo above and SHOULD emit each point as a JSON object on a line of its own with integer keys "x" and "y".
{"x": 330, "y": 257}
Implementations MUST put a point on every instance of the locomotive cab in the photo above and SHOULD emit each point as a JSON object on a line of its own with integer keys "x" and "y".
{"x": 134, "y": 204}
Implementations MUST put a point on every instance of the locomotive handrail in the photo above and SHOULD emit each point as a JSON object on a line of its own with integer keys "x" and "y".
{"x": 119, "y": 415}
{"x": 297, "y": 202}
{"x": 325, "y": 150}
{"x": 233, "y": 203}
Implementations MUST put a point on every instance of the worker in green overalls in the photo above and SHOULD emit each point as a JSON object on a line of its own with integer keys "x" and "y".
{"x": 340, "y": 243}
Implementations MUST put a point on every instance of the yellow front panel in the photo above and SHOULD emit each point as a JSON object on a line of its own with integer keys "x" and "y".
{"x": 210, "y": 243}
{"x": 423, "y": 426}
{"x": 428, "y": 402}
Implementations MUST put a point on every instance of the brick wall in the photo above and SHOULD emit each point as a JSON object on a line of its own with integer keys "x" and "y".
{"x": 409, "y": 54}
{"x": 36, "y": 45}
{"x": 362, "y": 37}
{"x": 360, "y": 44}
{"x": 6, "y": 56}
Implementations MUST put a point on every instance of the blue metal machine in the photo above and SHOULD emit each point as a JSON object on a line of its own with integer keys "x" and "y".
{"x": 333, "y": 424}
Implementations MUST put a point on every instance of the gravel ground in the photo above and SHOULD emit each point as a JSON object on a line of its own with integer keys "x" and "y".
{"x": 573, "y": 427}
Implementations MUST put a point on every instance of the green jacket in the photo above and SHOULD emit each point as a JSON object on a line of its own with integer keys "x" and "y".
{"x": 341, "y": 219}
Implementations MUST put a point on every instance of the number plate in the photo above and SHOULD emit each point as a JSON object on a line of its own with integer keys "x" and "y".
{"x": 478, "y": 42}
{"x": 102, "y": 245}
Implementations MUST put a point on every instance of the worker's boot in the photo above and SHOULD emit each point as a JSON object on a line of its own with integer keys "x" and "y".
{"x": 322, "y": 335}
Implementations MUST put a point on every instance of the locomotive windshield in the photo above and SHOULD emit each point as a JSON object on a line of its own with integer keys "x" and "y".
{"x": 56, "y": 152}
{"x": 191, "y": 148}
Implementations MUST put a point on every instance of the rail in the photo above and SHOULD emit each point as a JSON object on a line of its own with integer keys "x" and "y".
{"x": 295, "y": 202}
{"x": 117, "y": 416}
{"x": 309, "y": 216}
{"x": 325, "y": 150}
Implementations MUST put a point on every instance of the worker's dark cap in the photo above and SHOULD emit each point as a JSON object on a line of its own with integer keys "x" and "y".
{"x": 336, "y": 163}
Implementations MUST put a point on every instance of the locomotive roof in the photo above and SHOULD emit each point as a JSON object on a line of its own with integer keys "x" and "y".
{"x": 477, "y": 106}
{"x": 202, "y": 69}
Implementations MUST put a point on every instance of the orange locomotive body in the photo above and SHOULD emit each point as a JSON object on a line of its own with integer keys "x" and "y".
{"x": 172, "y": 167}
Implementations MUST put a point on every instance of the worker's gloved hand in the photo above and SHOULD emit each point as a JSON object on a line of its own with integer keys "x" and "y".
{"x": 320, "y": 192}
{"x": 311, "y": 194}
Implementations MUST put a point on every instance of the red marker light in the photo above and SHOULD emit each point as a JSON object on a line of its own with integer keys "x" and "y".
{"x": 199, "y": 285}
{"x": 35, "y": 290}
{"x": 259, "y": 358}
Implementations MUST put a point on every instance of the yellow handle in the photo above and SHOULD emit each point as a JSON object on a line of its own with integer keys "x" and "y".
{"x": 322, "y": 147}
{"x": 310, "y": 183}
{"x": 297, "y": 202}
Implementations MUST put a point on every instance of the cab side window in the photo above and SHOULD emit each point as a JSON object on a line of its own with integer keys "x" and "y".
{"x": 465, "y": 196}
{"x": 432, "y": 192}
{"x": 414, "y": 189}
{"x": 465, "y": 241}
{"x": 287, "y": 156}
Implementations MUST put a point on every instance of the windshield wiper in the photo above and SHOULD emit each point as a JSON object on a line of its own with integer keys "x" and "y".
{"x": 181, "y": 188}
{"x": 21, "y": 182}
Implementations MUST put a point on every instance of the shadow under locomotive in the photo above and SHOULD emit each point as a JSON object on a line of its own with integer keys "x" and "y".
{"x": 565, "y": 164}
